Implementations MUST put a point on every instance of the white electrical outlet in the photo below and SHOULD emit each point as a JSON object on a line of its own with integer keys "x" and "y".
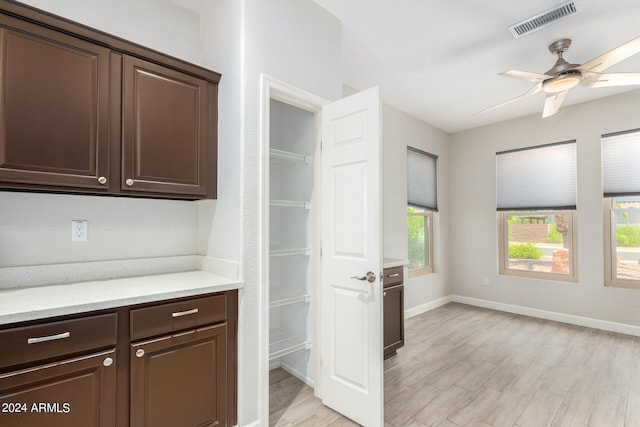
{"x": 79, "y": 230}
{"x": 485, "y": 281}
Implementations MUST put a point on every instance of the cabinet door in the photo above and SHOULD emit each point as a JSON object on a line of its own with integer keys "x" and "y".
{"x": 78, "y": 392}
{"x": 393, "y": 319}
{"x": 180, "y": 380}
{"x": 54, "y": 95}
{"x": 165, "y": 130}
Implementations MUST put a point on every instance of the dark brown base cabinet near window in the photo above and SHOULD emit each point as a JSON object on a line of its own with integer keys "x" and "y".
{"x": 85, "y": 112}
{"x": 393, "y": 310}
{"x": 160, "y": 364}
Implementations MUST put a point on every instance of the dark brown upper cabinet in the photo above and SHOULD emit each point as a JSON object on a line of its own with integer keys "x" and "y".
{"x": 54, "y": 108}
{"x": 165, "y": 130}
{"x": 86, "y": 112}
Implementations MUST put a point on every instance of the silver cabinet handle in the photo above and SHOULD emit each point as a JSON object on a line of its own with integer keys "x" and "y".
{"x": 129, "y": 182}
{"x": 184, "y": 313}
{"x": 369, "y": 277}
{"x": 394, "y": 275}
{"x": 102, "y": 180}
{"x": 107, "y": 362}
{"x": 37, "y": 340}
{"x": 384, "y": 294}
{"x": 139, "y": 352}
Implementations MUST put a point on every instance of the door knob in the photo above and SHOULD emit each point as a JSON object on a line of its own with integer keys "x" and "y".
{"x": 369, "y": 277}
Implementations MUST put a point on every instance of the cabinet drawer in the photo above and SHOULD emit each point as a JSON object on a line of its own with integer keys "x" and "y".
{"x": 49, "y": 340}
{"x": 392, "y": 276}
{"x": 176, "y": 316}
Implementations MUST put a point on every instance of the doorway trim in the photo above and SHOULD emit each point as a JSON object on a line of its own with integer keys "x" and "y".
{"x": 272, "y": 88}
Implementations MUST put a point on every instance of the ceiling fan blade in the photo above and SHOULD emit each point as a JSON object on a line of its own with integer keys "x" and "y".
{"x": 612, "y": 57}
{"x": 525, "y": 75}
{"x": 591, "y": 79}
{"x": 533, "y": 91}
{"x": 553, "y": 102}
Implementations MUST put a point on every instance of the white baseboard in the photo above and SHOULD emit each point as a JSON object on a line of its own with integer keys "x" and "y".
{"x": 299, "y": 375}
{"x": 423, "y": 308}
{"x": 588, "y": 322}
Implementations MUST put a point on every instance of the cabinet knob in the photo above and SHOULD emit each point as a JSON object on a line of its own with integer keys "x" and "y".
{"x": 102, "y": 180}
{"x": 139, "y": 352}
{"x": 129, "y": 182}
{"x": 107, "y": 362}
{"x": 384, "y": 294}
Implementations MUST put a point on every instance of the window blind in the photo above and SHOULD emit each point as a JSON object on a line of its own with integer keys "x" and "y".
{"x": 621, "y": 164}
{"x": 542, "y": 177}
{"x": 421, "y": 179}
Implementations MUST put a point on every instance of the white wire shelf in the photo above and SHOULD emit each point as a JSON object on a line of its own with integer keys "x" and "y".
{"x": 282, "y": 344}
{"x": 290, "y": 252}
{"x": 283, "y": 299}
{"x": 290, "y": 204}
{"x": 287, "y": 156}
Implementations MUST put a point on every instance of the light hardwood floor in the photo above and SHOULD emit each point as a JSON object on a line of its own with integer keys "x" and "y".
{"x": 467, "y": 366}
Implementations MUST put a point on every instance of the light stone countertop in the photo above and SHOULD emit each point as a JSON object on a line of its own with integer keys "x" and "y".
{"x": 23, "y": 304}
{"x": 393, "y": 262}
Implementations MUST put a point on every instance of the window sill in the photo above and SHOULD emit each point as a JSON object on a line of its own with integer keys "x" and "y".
{"x": 554, "y": 277}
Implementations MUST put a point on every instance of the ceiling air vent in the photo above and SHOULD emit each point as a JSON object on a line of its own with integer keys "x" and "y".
{"x": 545, "y": 18}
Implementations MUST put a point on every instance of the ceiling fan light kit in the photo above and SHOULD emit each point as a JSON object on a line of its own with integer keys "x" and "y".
{"x": 562, "y": 82}
{"x": 563, "y": 76}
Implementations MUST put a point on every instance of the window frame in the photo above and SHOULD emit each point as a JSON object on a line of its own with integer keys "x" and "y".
{"x": 618, "y": 169}
{"x": 428, "y": 215}
{"x": 503, "y": 248}
{"x": 610, "y": 268}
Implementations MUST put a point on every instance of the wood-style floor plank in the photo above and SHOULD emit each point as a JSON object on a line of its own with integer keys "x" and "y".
{"x": 465, "y": 366}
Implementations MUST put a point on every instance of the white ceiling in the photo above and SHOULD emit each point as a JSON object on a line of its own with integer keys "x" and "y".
{"x": 438, "y": 59}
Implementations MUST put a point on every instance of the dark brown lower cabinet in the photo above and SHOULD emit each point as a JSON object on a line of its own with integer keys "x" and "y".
{"x": 77, "y": 392}
{"x": 180, "y": 380}
{"x": 182, "y": 369}
{"x": 393, "y": 311}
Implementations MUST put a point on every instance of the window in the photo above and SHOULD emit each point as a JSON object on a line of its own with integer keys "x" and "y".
{"x": 621, "y": 184}
{"x": 536, "y": 202}
{"x": 422, "y": 201}
{"x": 420, "y": 241}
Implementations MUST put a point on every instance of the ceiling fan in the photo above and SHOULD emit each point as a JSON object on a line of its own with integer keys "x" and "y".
{"x": 563, "y": 76}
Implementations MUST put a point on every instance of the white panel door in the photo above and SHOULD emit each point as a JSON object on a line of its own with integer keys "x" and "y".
{"x": 352, "y": 369}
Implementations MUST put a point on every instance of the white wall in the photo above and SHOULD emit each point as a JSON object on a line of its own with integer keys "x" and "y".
{"x": 473, "y": 214}
{"x": 158, "y": 24}
{"x": 221, "y": 46}
{"x": 400, "y": 130}
{"x": 297, "y": 42}
{"x": 35, "y": 227}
